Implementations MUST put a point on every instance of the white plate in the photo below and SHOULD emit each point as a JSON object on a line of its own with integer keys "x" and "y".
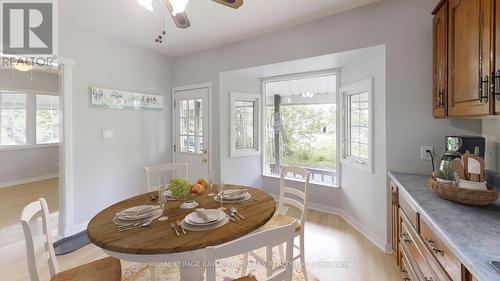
{"x": 191, "y": 227}
{"x": 136, "y": 217}
{"x": 155, "y": 215}
{"x": 195, "y": 219}
{"x": 246, "y": 197}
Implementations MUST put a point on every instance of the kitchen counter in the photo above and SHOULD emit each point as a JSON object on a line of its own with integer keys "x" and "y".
{"x": 471, "y": 233}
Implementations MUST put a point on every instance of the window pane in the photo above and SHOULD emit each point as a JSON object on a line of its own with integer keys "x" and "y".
{"x": 359, "y": 125}
{"x": 244, "y": 124}
{"x": 47, "y": 119}
{"x": 13, "y": 119}
{"x": 300, "y": 126}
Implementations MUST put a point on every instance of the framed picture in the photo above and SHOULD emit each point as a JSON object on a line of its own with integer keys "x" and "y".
{"x": 117, "y": 99}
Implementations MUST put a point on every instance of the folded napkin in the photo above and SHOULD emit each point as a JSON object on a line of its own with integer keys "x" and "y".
{"x": 146, "y": 209}
{"x": 204, "y": 215}
{"x": 233, "y": 192}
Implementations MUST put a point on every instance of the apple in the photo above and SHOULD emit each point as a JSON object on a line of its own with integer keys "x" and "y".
{"x": 203, "y": 182}
{"x": 197, "y": 189}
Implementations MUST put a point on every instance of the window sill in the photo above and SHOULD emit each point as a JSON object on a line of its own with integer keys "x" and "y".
{"x": 298, "y": 180}
{"x": 26, "y": 147}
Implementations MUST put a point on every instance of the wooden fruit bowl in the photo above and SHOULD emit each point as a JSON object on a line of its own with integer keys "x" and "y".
{"x": 465, "y": 196}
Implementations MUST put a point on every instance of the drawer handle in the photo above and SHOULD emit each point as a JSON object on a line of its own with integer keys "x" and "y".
{"x": 405, "y": 237}
{"x": 432, "y": 245}
{"x": 428, "y": 279}
{"x": 406, "y": 275}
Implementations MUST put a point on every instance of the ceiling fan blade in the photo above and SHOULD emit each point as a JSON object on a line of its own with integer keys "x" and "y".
{"x": 235, "y": 4}
{"x": 181, "y": 20}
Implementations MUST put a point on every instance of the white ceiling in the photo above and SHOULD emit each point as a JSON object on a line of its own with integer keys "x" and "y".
{"x": 212, "y": 24}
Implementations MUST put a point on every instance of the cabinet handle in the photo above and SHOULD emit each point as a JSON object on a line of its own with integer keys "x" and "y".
{"x": 441, "y": 99}
{"x": 406, "y": 275}
{"x": 484, "y": 89}
{"x": 405, "y": 237}
{"x": 428, "y": 279}
{"x": 432, "y": 245}
{"x": 495, "y": 85}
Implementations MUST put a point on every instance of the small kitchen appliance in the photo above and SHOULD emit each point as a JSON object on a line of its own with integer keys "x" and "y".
{"x": 456, "y": 146}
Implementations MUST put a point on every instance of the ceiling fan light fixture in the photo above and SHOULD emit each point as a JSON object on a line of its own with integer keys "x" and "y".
{"x": 178, "y": 6}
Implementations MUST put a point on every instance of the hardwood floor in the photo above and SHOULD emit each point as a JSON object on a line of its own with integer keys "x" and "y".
{"x": 335, "y": 251}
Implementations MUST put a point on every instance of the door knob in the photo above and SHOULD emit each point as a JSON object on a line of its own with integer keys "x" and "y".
{"x": 204, "y": 160}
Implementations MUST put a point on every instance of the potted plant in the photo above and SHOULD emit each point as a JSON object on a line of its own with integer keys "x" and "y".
{"x": 445, "y": 174}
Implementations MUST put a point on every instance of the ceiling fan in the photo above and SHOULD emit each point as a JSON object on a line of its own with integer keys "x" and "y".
{"x": 177, "y": 10}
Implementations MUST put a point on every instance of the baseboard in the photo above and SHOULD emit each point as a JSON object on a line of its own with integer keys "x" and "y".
{"x": 28, "y": 180}
{"x": 383, "y": 246}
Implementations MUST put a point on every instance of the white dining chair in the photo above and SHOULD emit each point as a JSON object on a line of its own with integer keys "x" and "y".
{"x": 105, "y": 269}
{"x": 179, "y": 170}
{"x": 270, "y": 237}
{"x": 298, "y": 199}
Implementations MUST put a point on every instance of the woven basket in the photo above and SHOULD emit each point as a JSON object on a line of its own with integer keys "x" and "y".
{"x": 462, "y": 195}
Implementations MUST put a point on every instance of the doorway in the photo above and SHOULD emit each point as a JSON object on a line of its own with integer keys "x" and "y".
{"x": 191, "y": 125}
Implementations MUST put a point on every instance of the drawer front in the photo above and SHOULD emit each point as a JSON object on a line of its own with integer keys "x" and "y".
{"x": 448, "y": 261}
{"x": 411, "y": 243}
{"x": 410, "y": 212}
{"x": 407, "y": 271}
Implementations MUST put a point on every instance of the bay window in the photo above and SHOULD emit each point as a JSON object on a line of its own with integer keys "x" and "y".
{"x": 301, "y": 125}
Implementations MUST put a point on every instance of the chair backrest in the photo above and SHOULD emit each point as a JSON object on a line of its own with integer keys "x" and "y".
{"x": 30, "y": 215}
{"x": 300, "y": 198}
{"x": 271, "y": 238}
{"x": 180, "y": 170}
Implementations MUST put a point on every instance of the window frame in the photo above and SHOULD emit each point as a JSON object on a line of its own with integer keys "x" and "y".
{"x": 31, "y": 120}
{"x": 304, "y": 75}
{"x": 360, "y": 87}
{"x": 257, "y": 101}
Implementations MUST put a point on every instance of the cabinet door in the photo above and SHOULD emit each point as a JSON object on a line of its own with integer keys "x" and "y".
{"x": 496, "y": 90}
{"x": 440, "y": 67}
{"x": 469, "y": 57}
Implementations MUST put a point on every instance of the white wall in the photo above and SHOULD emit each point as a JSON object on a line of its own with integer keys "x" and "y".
{"x": 491, "y": 131}
{"x": 405, "y": 27}
{"x": 237, "y": 170}
{"x": 109, "y": 171}
{"x": 18, "y": 166}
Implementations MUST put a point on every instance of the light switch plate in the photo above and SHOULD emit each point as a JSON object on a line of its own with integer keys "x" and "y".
{"x": 107, "y": 134}
{"x": 423, "y": 152}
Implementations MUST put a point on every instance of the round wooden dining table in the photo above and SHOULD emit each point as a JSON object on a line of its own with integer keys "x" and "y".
{"x": 158, "y": 242}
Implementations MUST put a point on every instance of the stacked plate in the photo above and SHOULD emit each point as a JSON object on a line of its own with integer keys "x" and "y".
{"x": 137, "y": 214}
{"x": 233, "y": 196}
{"x": 205, "y": 219}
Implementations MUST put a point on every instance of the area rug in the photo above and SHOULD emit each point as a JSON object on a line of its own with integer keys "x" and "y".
{"x": 226, "y": 270}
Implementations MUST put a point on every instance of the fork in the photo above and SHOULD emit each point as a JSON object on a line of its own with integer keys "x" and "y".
{"x": 180, "y": 226}
{"x": 175, "y": 228}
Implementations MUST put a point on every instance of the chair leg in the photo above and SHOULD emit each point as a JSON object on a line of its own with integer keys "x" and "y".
{"x": 269, "y": 261}
{"x": 152, "y": 272}
{"x": 281, "y": 253}
{"x": 245, "y": 265}
{"x": 303, "y": 256}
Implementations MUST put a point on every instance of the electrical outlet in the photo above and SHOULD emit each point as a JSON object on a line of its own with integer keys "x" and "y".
{"x": 423, "y": 152}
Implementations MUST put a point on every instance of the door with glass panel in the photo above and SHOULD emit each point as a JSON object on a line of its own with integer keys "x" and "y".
{"x": 191, "y": 115}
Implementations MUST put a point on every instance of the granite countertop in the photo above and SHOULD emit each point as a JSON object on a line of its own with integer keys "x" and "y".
{"x": 471, "y": 233}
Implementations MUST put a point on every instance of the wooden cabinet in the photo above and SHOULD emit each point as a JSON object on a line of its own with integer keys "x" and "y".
{"x": 464, "y": 41}
{"x": 440, "y": 62}
{"x": 419, "y": 252}
{"x": 496, "y": 74}
{"x": 395, "y": 222}
{"x": 469, "y": 57}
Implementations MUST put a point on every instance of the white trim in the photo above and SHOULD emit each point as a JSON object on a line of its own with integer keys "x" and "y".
{"x": 365, "y": 85}
{"x": 372, "y": 237}
{"x": 209, "y": 87}
{"x": 28, "y": 180}
{"x": 27, "y": 147}
{"x": 257, "y": 102}
{"x": 66, "y": 180}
